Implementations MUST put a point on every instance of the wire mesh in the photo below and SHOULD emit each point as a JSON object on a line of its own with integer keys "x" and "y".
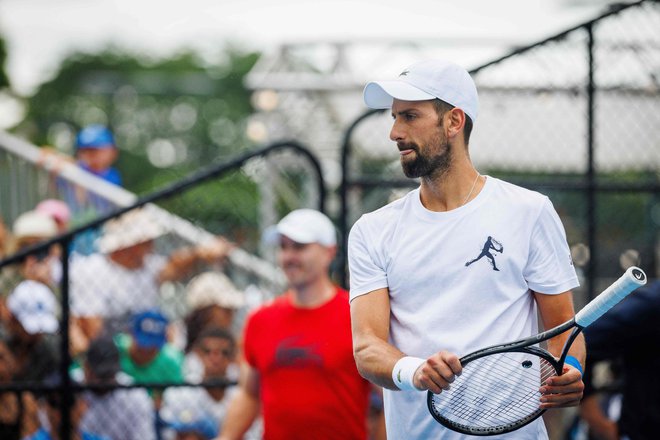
{"x": 163, "y": 283}
{"x": 575, "y": 117}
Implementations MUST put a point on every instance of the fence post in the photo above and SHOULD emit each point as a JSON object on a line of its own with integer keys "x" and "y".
{"x": 591, "y": 172}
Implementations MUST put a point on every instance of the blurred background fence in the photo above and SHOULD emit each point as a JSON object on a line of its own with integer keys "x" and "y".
{"x": 576, "y": 116}
{"x": 143, "y": 272}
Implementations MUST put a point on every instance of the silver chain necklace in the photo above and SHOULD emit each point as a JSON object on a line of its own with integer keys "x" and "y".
{"x": 474, "y": 184}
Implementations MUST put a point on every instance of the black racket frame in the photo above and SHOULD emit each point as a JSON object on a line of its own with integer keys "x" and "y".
{"x": 527, "y": 345}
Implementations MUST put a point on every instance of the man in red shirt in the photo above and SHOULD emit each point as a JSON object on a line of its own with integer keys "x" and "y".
{"x": 298, "y": 365}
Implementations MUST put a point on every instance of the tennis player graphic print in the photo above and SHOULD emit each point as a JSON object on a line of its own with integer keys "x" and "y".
{"x": 490, "y": 245}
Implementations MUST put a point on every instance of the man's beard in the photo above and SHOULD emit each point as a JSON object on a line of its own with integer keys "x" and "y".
{"x": 433, "y": 162}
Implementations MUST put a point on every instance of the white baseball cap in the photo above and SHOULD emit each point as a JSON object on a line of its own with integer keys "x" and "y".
{"x": 426, "y": 80}
{"x": 307, "y": 226}
{"x": 33, "y": 304}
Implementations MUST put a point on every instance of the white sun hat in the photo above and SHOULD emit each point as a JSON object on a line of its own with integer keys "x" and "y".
{"x": 34, "y": 224}
{"x": 133, "y": 227}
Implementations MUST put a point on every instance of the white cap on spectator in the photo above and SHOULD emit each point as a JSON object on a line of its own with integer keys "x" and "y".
{"x": 213, "y": 288}
{"x": 426, "y": 80}
{"x": 34, "y": 305}
{"x": 132, "y": 228}
{"x": 306, "y": 226}
{"x": 33, "y": 224}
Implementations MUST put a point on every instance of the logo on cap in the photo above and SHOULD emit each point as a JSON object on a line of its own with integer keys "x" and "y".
{"x": 152, "y": 326}
{"x": 404, "y": 73}
{"x": 638, "y": 274}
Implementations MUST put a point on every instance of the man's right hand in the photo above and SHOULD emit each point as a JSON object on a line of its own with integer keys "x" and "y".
{"x": 437, "y": 372}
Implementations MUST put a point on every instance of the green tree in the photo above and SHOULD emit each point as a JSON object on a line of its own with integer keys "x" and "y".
{"x": 169, "y": 117}
{"x": 4, "y": 79}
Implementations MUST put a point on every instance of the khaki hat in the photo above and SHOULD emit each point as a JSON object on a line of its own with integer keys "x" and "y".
{"x": 33, "y": 224}
{"x": 132, "y": 228}
{"x": 213, "y": 288}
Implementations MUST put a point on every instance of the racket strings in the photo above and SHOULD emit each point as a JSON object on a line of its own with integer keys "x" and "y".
{"x": 495, "y": 390}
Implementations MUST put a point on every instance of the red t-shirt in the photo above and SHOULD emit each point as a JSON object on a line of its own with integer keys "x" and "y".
{"x": 310, "y": 387}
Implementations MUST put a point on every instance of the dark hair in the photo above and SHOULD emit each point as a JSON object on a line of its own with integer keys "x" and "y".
{"x": 103, "y": 357}
{"x": 216, "y": 332}
{"x": 196, "y": 322}
{"x": 442, "y": 107}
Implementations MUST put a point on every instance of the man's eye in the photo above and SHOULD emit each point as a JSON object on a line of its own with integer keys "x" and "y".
{"x": 405, "y": 116}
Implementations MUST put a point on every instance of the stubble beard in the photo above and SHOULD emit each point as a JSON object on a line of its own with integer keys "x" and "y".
{"x": 432, "y": 162}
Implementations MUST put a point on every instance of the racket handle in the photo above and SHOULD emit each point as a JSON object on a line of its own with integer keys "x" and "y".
{"x": 633, "y": 278}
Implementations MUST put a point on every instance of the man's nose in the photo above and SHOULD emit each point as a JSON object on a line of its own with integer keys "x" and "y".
{"x": 396, "y": 133}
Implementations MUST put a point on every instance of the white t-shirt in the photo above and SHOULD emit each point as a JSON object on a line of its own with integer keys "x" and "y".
{"x": 459, "y": 281}
{"x": 190, "y": 402}
{"x": 123, "y": 414}
{"x": 178, "y": 401}
{"x": 100, "y": 287}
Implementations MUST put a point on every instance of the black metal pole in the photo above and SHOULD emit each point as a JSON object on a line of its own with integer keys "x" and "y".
{"x": 346, "y": 183}
{"x": 67, "y": 392}
{"x": 591, "y": 171}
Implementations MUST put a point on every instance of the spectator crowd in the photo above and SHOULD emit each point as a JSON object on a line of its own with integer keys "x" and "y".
{"x": 142, "y": 368}
{"x": 213, "y": 365}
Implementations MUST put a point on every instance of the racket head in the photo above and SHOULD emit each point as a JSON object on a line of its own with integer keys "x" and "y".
{"x": 498, "y": 391}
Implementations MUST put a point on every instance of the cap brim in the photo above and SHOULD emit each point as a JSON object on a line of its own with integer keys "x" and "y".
{"x": 150, "y": 341}
{"x": 109, "y": 244}
{"x": 297, "y": 235}
{"x": 271, "y": 235}
{"x": 95, "y": 146}
{"x": 39, "y": 324}
{"x": 381, "y": 94}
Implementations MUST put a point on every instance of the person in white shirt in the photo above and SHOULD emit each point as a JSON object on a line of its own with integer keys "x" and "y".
{"x": 120, "y": 414}
{"x": 216, "y": 349}
{"x": 124, "y": 278}
{"x": 462, "y": 262}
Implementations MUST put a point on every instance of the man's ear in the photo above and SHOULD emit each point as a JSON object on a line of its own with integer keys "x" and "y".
{"x": 455, "y": 121}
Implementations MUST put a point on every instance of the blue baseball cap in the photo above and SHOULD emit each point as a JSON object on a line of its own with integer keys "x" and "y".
{"x": 150, "y": 329}
{"x": 95, "y": 136}
{"x": 203, "y": 424}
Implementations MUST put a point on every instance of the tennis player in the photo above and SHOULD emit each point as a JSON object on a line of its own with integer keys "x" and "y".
{"x": 462, "y": 262}
{"x": 298, "y": 365}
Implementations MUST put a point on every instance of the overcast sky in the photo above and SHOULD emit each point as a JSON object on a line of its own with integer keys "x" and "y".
{"x": 39, "y": 33}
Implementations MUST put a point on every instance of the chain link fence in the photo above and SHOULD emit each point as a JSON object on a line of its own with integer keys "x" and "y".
{"x": 167, "y": 279}
{"x": 139, "y": 321}
{"x": 576, "y": 117}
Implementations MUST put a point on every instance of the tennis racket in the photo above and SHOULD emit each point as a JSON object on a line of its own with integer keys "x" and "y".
{"x": 498, "y": 390}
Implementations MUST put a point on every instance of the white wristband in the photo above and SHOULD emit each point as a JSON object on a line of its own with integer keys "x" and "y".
{"x": 404, "y": 371}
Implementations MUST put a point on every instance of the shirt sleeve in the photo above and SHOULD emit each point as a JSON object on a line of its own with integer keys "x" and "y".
{"x": 549, "y": 268}
{"x": 367, "y": 273}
